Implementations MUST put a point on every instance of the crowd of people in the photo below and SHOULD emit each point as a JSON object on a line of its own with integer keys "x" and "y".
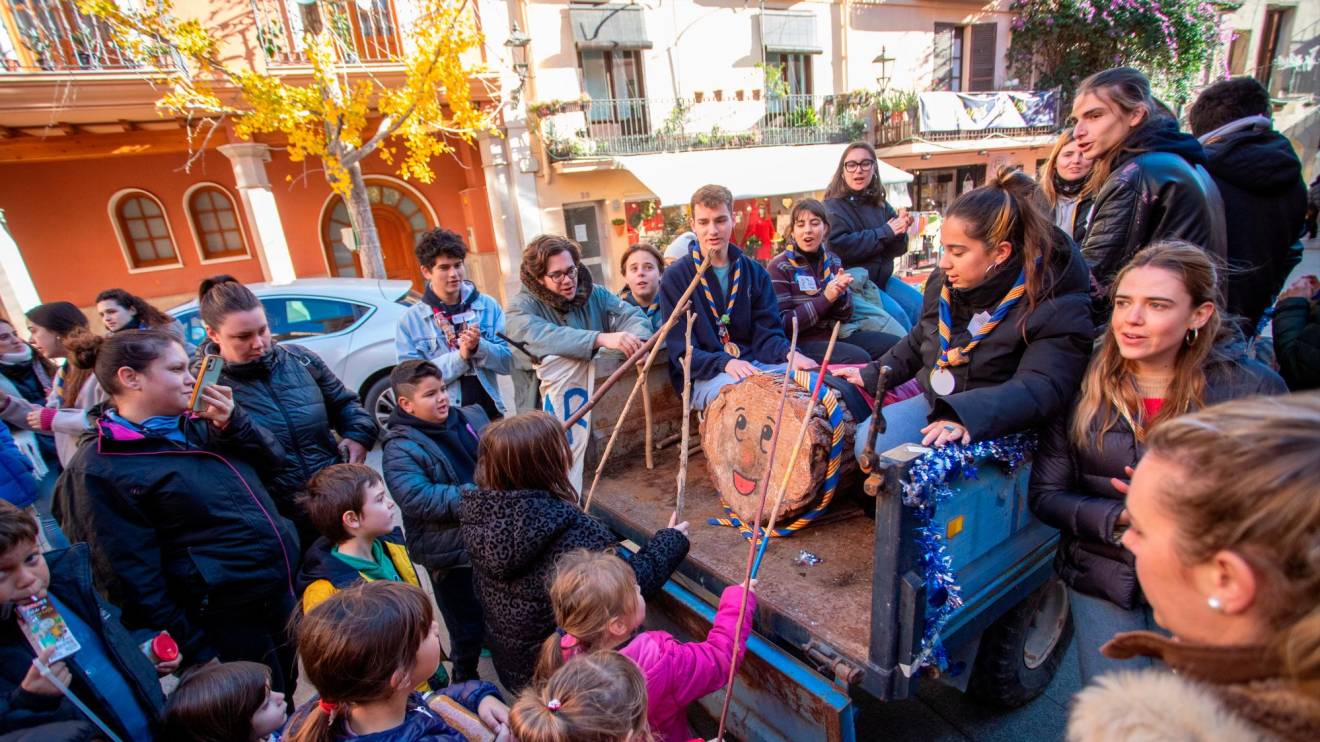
{"x": 225, "y": 535}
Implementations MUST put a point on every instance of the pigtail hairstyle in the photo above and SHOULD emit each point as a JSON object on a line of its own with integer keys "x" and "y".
{"x": 589, "y": 590}
{"x": 1109, "y": 390}
{"x": 597, "y": 697}
{"x": 1249, "y": 484}
{"x": 351, "y": 646}
{"x": 527, "y": 451}
{"x": 215, "y": 702}
{"x": 220, "y": 296}
{"x": 1011, "y": 209}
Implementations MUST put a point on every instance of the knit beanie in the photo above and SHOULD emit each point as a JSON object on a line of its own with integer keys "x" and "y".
{"x": 59, "y": 317}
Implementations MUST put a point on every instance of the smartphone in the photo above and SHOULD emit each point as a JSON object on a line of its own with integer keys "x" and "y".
{"x": 207, "y": 375}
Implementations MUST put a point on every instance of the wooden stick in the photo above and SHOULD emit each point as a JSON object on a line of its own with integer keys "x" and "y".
{"x": 651, "y": 345}
{"x": 650, "y": 425}
{"x": 685, "y": 452}
{"x": 797, "y": 447}
{"x": 756, "y": 524}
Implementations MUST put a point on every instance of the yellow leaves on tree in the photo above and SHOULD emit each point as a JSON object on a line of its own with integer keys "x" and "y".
{"x": 329, "y": 116}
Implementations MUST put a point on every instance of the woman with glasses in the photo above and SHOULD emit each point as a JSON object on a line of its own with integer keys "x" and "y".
{"x": 562, "y": 318}
{"x": 866, "y": 232}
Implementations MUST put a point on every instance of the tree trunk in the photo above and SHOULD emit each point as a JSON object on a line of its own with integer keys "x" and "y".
{"x": 364, "y": 225}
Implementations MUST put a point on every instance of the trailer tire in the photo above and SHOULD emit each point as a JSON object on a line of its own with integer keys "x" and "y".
{"x": 1022, "y": 650}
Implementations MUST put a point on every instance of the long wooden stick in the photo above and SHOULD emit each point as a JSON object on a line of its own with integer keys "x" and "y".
{"x": 756, "y": 524}
{"x": 650, "y": 426}
{"x": 797, "y": 448}
{"x": 684, "y": 453}
{"x": 651, "y": 346}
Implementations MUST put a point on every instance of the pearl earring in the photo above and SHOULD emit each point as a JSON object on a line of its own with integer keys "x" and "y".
{"x": 1214, "y": 603}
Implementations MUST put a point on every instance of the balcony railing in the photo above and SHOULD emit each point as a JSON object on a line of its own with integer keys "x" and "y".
{"x": 52, "y": 35}
{"x": 367, "y": 31}
{"x": 634, "y": 126}
{"x": 898, "y": 127}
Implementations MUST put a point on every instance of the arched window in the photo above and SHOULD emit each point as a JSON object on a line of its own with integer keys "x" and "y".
{"x": 215, "y": 223}
{"x": 400, "y": 219}
{"x": 143, "y": 230}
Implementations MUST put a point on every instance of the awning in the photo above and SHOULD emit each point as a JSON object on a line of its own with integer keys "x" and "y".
{"x": 789, "y": 33}
{"x": 752, "y": 172}
{"x": 612, "y": 26}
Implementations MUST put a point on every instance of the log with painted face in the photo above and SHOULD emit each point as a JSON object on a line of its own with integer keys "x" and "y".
{"x": 735, "y": 437}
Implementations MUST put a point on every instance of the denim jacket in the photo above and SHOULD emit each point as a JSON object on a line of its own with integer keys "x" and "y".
{"x": 419, "y": 337}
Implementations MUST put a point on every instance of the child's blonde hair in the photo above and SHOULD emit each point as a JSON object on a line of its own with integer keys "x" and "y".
{"x": 589, "y": 589}
{"x": 598, "y": 697}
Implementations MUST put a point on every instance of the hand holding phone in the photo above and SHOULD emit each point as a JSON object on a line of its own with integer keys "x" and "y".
{"x": 207, "y": 375}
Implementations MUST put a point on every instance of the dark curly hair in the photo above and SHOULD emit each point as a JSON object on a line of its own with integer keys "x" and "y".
{"x": 541, "y": 249}
{"x": 1225, "y": 101}
{"x": 437, "y": 242}
{"x": 142, "y": 311}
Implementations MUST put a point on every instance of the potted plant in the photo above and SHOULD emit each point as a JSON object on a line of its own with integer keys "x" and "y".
{"x": 619, "y": 225}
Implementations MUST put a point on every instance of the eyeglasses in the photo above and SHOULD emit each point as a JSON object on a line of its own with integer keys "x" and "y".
{"x": 559, "y": 276}
{"x": 853, "y": 166}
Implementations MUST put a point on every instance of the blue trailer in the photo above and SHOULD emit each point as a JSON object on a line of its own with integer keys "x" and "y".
{"x": 853, "y": 624}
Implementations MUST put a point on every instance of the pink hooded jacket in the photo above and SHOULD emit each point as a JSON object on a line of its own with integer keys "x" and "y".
{"x": 678, "y": 674}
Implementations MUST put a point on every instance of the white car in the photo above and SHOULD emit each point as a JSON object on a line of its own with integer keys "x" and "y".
{"x": 348, "y": 322}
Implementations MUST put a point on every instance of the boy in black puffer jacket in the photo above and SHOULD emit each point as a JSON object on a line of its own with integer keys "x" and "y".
{"x": 429, "y": 455}
{"x": 522, "y": 519}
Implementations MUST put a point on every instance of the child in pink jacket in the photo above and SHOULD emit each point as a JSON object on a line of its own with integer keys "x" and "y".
{"x": 599, "y": 606}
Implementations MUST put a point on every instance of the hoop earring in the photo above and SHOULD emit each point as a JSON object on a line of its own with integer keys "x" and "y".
{"x": 1192, "y": 334}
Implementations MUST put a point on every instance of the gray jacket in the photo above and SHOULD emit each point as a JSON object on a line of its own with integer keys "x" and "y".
{"x": 548, "y": 324}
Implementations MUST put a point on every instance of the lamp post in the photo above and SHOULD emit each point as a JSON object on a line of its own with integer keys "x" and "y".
{"x": 883, "y": 59}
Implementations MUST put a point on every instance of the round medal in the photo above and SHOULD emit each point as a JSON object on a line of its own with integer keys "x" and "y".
{"x": 941, "y": 381}
{"x": 732, "y": 349}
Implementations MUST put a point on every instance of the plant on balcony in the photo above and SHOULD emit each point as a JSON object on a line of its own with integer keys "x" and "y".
{"x": 329, "y": 117}
{"x": 555, "y": 106}
{"x": 1064, "y": 41}
{"x": 775, "y": 84}
{"x": 896, "y": 102}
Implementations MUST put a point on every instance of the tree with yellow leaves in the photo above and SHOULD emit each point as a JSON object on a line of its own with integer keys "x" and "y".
{"x": 329, "y": 116}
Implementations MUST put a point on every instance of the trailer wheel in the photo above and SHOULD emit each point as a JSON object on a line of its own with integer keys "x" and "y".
{"x": 1021, "y": 651}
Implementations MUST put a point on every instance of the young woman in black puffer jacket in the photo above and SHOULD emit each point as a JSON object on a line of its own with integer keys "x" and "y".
{"x": 287, "y": 389}
{"x": 1149, "y": 179}
{"x": 1167, "y": 351}
{"x": 523, "y": 518}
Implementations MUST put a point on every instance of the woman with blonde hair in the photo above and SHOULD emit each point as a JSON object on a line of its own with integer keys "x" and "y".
{"x": 1226, "y": 536}
{"x": 1166, "y": 352}
{"x": 1067, "y": 188}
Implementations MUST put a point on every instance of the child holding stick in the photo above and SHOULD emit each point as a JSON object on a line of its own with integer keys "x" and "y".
{"x": 523, "y": 516}
{"x": 599, "y": 606}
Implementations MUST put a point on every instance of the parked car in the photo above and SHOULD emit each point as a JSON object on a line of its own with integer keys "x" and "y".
{"x": 348, "y": 322}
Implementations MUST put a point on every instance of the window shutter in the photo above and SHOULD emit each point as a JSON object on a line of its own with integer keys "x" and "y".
{"x": 943, "y": 56}
{"x": 982, "y": 75}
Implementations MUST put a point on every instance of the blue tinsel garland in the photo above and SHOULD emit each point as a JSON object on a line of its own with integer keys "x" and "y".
{"x": 929, "y": 483}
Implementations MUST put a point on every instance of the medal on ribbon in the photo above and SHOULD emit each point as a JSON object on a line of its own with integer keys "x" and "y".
{"x": 942, "y": 380}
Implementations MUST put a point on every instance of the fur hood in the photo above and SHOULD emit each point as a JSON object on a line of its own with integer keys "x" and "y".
{"x": 532, "y": 285}
{"x": 1212, "y": 693}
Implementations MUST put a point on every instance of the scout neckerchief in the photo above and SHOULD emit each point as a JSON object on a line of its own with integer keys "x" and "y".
{"x": 57, "y": 388}
{"x": 803, "y": 270}
{"x": 627, "y": 295}
{"x": 450, "y": 324}
{"x": 721, "y": 319}
{"x": 941, "y": 378}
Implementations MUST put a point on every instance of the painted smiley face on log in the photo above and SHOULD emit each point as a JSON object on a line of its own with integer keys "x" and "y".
{"x": 735, "y": 437}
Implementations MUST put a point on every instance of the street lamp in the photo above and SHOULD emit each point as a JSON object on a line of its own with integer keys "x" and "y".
{"x": 883, "y": 60}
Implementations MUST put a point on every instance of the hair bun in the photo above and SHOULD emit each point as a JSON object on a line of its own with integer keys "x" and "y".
{"x": 212, "y": 282}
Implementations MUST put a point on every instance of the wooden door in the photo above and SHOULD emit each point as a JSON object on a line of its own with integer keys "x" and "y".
{"x": 396, "y": 247}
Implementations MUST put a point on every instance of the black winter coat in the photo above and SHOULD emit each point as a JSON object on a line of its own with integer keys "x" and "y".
{"x": 1297, "y": 342}
{"x": 861, "y": 237}
{"x": 1260, "y": 180}
{"x": 292, "y": 393}
{"x": 424, "y": 484}
{"x": 1158, "y": 189}
{"x": 1021, "y": 375}
{"x": 1070, "y": 488}
{"x": 176, "y": 530}
{"x": 71, "y": 583}
{"x": 513, "y": 539}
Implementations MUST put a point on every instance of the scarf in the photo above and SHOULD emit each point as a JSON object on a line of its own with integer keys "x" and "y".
{"x": 446, "y": 314}
{"x": 532, "y": 285}
{"x": 169, "y": 427}
{"x": 455, "y": 437}
{"x": 651, "y": 309}
{"x": 379, "y": 567}
{"x": 1068, "y": 188}
{"x": 22, "y": 356}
